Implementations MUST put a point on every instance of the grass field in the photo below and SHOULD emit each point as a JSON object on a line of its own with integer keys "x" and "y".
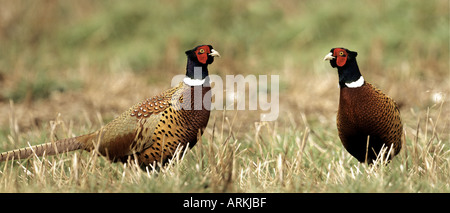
{"x": 69, "y": 67}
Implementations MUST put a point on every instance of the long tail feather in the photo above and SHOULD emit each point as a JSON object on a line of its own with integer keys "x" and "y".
{"x": 64, "y": 145}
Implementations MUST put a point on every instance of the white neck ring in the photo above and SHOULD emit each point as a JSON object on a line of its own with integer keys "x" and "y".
{"x": 355, "y": 84}
{"x": 193, "y": 82}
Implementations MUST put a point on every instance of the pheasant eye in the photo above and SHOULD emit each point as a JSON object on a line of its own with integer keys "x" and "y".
{"x": 341, "y": 53}
{"x": 201, "y": 51}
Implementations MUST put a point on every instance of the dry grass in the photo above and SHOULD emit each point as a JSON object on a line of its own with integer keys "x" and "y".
{"x": 292, "y": 154}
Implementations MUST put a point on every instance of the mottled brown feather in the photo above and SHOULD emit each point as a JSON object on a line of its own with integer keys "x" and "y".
{"x": 51, "y": 148}
{"x": 180, "y": 125}
{"x": 366, "y": 111}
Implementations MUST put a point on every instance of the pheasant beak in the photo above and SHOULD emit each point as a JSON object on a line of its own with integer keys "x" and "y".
{"x": 329, "y": 57}
{"x": 214, "y": 53}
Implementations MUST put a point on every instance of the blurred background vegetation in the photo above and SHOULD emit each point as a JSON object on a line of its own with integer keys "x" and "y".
{"x": 43, "y": 42}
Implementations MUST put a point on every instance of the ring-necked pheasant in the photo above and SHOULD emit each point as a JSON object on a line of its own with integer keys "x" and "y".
{"x": 152, "y": 129}
{"x": 364, "y": 111}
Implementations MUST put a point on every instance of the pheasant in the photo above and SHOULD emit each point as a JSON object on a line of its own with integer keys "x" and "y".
{"x": 367, "y": 119}
{"x": 150, "y": 131}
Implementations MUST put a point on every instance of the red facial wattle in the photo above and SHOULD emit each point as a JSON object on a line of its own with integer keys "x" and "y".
{"x": 341, "y": 56}
{"x": 202, "y": 53}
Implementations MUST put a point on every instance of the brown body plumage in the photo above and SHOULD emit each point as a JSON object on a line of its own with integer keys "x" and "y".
{"x": 150, "y": 130}
{"x": 367, "y": 119}
{"x": 177, "y": 128}
{"x": 367, "y": 112}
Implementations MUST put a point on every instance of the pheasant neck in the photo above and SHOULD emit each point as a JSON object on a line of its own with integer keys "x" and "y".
{"x": 350, "y": 76}
{"x": 196, "y": 73}
{"x": 196, "y": 70}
